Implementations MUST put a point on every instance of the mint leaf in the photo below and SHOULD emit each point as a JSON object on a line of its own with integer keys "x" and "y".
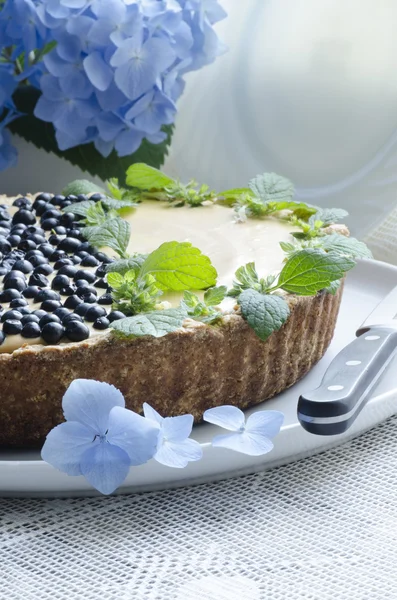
{"x": 178, "y": 266}
{"x": 133, "y": 263}
{"x": 347, "y": 246}
{"x": 328, "y": 216}
{"x": 288, "y": 248}
{"x": 145, "y": 177}
{"x": 265, "y": 313}
{"x": 133, "y": 293}
{"x": 247, "y": 278}
{"x": 229, "y": 197}
{"x": 82, "y": 186}
{"x": 114, "y": 204}
{"x": 114, "y": 233}
{"x": 157, "y": 323}
{"x": 79, "y": 208}
{"x": 333, "y": 287}
{"x": 95, "y": 214}
{"x": 300, "y": 209}
{"x": 312, "y": 270}
{"x": 198, "y": 310}
{"x": 271, "y": 187}
{"x": 215, "y": 295}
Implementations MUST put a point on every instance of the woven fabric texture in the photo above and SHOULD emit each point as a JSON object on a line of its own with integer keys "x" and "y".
{"x": 323, "y": 528}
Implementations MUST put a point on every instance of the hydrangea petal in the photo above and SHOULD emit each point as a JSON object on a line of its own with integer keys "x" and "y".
{"x": 228, "y": 417}
{"x": 50, "y": 87}
{"x": 46, "y": 110}
{"x": 178, "y": 455}
{"x": 265, "y": 422}
{"x": 177, "y": 429}
{"x": 136, "y": 435}
{"x": 66, "y": 444}
{"x": 244, "y": 442}
{"x": 90, "y": 402}
{"x": 152, "y": 414}
{"x": 98, "y": 72}
{"x": 128, "y": 141}
{"x": 105, "y": 467}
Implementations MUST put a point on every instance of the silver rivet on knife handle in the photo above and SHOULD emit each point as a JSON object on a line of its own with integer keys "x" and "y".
{"x": 348, "y": 381}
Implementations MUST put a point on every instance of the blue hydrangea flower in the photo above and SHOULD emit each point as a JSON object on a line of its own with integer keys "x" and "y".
{"x": 251, "y": 437}
{"x": 100, "y": 438}
{"x": 174, "y": 448}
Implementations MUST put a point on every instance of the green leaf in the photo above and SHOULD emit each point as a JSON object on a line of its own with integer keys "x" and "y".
{"x": 122, "y": 266}
{"x": 114, "y": 233}
{"x": 82, "y": 186}
{"x": 95, "y": 214}
{"x": 333, "y": 287}
{"x": 348, "y": 246}
{"x": 328, "y": 216}
{"x": 178, "y": 266}
{"x": 300, "y": 209}
{"x": 271, "y": 187}
{"x": 145, "y": 177}
{"x": 312, "y": 270}
{"x": 215, "y": 295}
{"x": 265, "y": 313}
{"x": 85, "y": 156}
{"x": 115, "y": 280}
{"x": 79, "y": 208}
{"x": 287, "y": 247}
{"x": 115, "y": 204}
{"x": 229, "y": 197}
{"x": 157, "y": 323}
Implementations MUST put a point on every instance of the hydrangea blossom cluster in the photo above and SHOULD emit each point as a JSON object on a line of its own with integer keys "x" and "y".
{"x": 110, "y": 71}
{"x": 101, "y": 439}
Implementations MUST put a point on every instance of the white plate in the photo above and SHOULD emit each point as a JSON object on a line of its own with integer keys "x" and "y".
{"x": 25, "y": 474}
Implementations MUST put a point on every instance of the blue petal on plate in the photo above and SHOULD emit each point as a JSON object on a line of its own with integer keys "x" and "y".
{"x": 228, "y": 417}
{"x": 66, "y": 444}
{"x": 265, "y": 422}
{"x": 136, "y": 435}
{"x": 105, "y": 467}
{"x": 90, "y": 402}
{"x": 178, "y": 454}
{"x": 246, "y": 443}
{"x": 152, "y": 414}
{"x": 177, "y": 429}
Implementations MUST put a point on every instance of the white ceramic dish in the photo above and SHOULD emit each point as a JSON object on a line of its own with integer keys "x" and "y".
{"x": 24, "y": 474}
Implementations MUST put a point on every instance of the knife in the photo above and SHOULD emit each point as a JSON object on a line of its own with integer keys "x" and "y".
{"x": 334, "y": 406}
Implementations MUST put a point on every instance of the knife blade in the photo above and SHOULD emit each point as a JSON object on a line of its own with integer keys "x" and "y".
{"x": 346, "y": 386}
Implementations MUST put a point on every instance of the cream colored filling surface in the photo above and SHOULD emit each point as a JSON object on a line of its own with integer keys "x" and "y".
{"x": 212, "y": 229}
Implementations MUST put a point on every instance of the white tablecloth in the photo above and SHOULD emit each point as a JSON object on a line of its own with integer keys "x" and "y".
{"x": 324, "y": 528}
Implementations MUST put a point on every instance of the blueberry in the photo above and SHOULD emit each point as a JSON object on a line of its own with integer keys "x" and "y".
{"x": 9, "y": 295}
{"x": 44, "y": 269}
{"x": 54, "y": 240}
{"x": 60, "y": 230}
{"x": 105, "y": 299}
{"x": 50, "y": 305}
{"x": 75, "y": 233}
{"x": 64, "y": 204}
{"x": 37, "y": 279}
{"x": 48, "y": 319}
{"x": 69, "y": 290}
{"x": 31, "y": 291}
{"x": 15, "y": 283}
{"x": 14, "y": 273}
{"x": 49, "y": 224}
{"x": 71, "y": 198}
{"x": 101, "y": 323}
{"x": 24, "y": 216}
{"x": 36, "y": 238}
{"x": 101, "y": 271}
{"x": 63, "y": 262}
{"x": 3, "y": 270}
{"x": 47, "y": 295}
{"x": 4, "y": 232}
{"x": 39, "y": 313}
{"x": 94, "y": 313}
{"x": 89, "y": 261}
{"x": 5, "y": 246}
{"x": 31, "y": 253}
{"x": 67, "y": 219}
{"x": 76, "y": 260}
{"x": 115, "y": 315}
{"x": 34, "y": 229}
{"x": 39, "y": 206}
{"x": 37, "y": 260}
{"x": 68, "y": 270}
{"x": 31, "y": 330}
{"x": 101, "y": 283}
{"x": 72, "y": 302}
{"x": 13, "y": 315}
{"x": 82, "y": 308}
{"x": 44, "y": 196}
{"x": 86, "y": 275}
{"x": 76, "y": 331}
{"x": 58, "y": 198}
{"x": 82, "y": 254}
{"x": 14, "y": 240}
{"x": 59, "y": 282}
{"x": 61, "y": 312}
{"x": 58, "y": 255}
{"x": 88, "y": 298}
{"x": 27, "y": 245}
{"x": 12, "y": 327}
{"x": 82, "y": 283}
{"x": 53, "y": 213}
{"x": 22, "y": 203}
{"x": 5, "y": 216}
{"x": 32, "y": 318}
{"x": 81, "y": 198}
{"x": 97, "y": 196}
{"x": 24, "y": 266}
{"x": 86, "y": 289}
{"x": 52, "y": 333}
{"x": 69, "y": 244}
{"x": 24, "y": 310}
{"x": 18, "y": 302}
{"x": 71, "y": 317}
